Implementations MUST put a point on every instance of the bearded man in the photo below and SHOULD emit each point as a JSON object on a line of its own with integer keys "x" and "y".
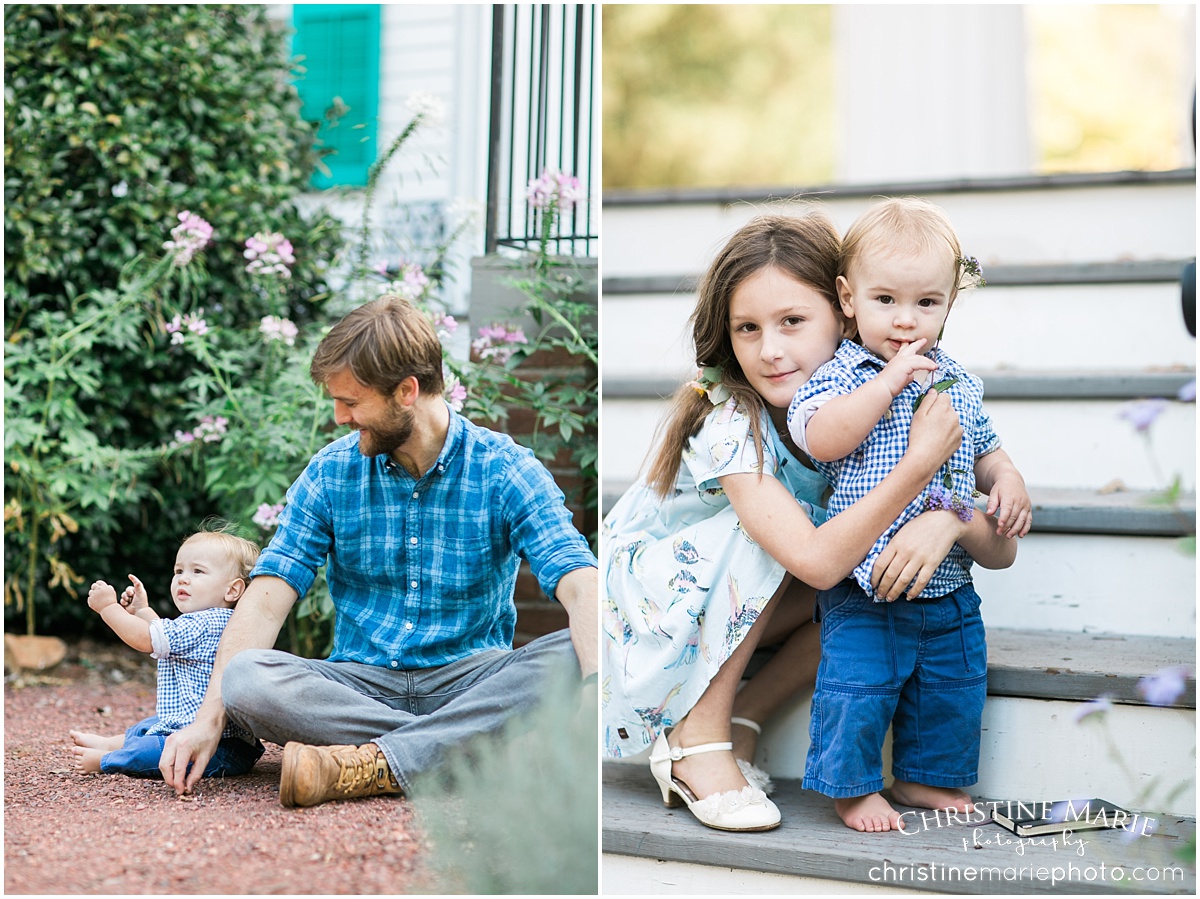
{"x": 422, "y": 519}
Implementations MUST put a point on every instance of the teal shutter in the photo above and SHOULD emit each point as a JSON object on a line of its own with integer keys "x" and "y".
{"x": 340, "y": 46}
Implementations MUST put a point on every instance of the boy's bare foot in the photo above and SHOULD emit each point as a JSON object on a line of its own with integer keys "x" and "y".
{"x": 923, "y": 796}
{"x": 87, "y": 761}
{"x": 95, "y": 741}
{"x": 869, "y": 814}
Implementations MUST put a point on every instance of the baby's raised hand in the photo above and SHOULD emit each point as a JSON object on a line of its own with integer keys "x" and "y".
{"x": 101, "y": 595}
{"x": 902, "y": 369}
{"x": 1009, "y": 501}
{"x": 134, "y": 597}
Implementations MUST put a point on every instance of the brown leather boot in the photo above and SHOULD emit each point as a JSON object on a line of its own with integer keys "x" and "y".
{"x": 315, "y": 774}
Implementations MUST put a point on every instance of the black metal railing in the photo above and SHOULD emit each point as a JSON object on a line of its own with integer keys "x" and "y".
{"x": 542, "y": 116}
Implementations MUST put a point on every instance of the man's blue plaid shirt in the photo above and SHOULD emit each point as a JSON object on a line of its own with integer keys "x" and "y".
{"x": 422, "y": 571}
{"x": 854, "y": 476}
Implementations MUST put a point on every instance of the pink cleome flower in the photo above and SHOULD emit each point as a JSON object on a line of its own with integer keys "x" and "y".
{"x": 188, "y": 238}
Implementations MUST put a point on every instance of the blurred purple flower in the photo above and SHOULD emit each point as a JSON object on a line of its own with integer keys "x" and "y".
{"x": 267, "y": 515}
{"x": 191, "y": 323}
{"x": 555, "y": 188}
{"x": 1143, "y": 413}
{"x": 498, "y": 342}
{"x": 1187, "y": 393}
{"x": 188, "y": 238}
{"x": 1165, "y": 686}
{"x": 273, "y": 328}
{"x": 269, "y": 254}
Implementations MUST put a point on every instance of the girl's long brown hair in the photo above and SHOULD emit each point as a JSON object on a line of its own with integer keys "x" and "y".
{"x": 807, "y": 248}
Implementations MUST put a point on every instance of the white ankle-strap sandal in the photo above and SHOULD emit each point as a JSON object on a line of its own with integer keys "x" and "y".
{"x": 755, "y": 776}
{"x": 747, "y": 809}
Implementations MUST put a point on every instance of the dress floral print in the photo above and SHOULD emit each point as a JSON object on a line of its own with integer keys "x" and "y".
{"x": 683, "y": 581}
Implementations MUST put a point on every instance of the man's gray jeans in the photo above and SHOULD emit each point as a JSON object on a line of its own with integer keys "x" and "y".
{"x": 416, "y": 717}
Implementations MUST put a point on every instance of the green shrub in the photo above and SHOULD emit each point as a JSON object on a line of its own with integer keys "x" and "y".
{"x": 116, "y": 119}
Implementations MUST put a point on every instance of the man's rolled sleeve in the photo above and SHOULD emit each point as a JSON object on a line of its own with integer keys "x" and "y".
{"x": 304, "y": 536}
{"x": 541, "y": 528}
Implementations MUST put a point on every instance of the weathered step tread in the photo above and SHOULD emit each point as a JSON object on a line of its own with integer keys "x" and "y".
{"x": 1000, "y": 384}
{"x": 1134, "y": 513}
{"x": 813, "y": 842}
{"x": 1061, "y": 665}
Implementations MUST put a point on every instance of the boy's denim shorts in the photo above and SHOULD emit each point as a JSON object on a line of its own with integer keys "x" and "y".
{"x": 920, "y": 666}
{"x": 142, "y": 751}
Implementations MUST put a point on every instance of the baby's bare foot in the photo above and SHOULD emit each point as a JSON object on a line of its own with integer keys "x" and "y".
{"x": 95, "y": 741}
{"x": 869, "y": 814}
{"x": 923, "y": 796}
{"x": 87, "y": 761}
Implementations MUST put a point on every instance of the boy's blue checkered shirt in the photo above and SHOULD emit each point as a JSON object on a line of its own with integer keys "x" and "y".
{"x": 422, "y": 571}
{"x": 186, "y": 648}
{"x": 854, "y": 476}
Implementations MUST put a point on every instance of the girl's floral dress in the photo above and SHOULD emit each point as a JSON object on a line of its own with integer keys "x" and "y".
{"x": 683, "y": 582}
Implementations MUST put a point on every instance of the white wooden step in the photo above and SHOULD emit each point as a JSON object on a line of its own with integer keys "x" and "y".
{"x": 1034, "y": 220}
{"x": 812, "y": 843}
{"x": 1060, "y": 327}
{"x": 1080, "y": 444}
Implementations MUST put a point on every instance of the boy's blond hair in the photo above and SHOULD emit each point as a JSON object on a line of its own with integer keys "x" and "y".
{"x": 906, "y": 224}
{"x": 241, "y": 553}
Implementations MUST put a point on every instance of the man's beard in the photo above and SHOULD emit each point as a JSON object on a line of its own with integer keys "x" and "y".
{"x": 389, "y": 435}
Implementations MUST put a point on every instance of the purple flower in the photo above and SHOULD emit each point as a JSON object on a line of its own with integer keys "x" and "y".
{"x": 269, "y": 254}
{"x": 1142, "y": 413}
{"x": 188, "y": 238}
{"x": 273, "y": 328}
{"x": 267, "y": 515}
{"x": 455, "y": 392}
{"x": 1165, "y": 686}
{"x": 555, "y": 189}
{"x": 190, "y": 323}
{"x": 1187, "y": 393}
{"x": 412, "y": 283}
{"x": 498, "y": 342}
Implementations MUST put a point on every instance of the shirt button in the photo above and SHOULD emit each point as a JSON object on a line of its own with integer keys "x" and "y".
{"x": 416, "y": 494}
{"x": 408, "y": 625}
{"x": 395, "y": 664}
{"x": 412, "y": 540}
{"x": 441, "y": 468}
{"x": 413, "y": 584}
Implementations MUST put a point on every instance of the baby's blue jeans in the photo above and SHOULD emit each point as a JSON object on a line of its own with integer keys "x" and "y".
{"x": 416, "y": 717}
{"x": 140, "y": 755}
{"x": 920, "y": 666}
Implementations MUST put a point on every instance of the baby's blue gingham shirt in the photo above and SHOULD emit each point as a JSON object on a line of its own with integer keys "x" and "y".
{"x": 422, "y": 571}
{"x": 185, "y": 648}
{"x": 854, "y": 476}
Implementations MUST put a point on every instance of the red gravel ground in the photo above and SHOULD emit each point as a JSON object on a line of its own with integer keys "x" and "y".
{"x": 66, "y": 832}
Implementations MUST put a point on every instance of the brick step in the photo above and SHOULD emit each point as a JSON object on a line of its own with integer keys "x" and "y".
{"x": 813, "y": 852}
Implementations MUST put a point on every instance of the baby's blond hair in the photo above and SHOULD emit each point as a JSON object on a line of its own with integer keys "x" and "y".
{"x": 905, "y": 223}
{"x": 241, "y": 553}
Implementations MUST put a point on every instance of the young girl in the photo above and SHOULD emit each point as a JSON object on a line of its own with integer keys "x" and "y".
{"x": 212, "y": 569}
{"x": 717, "y": 549}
